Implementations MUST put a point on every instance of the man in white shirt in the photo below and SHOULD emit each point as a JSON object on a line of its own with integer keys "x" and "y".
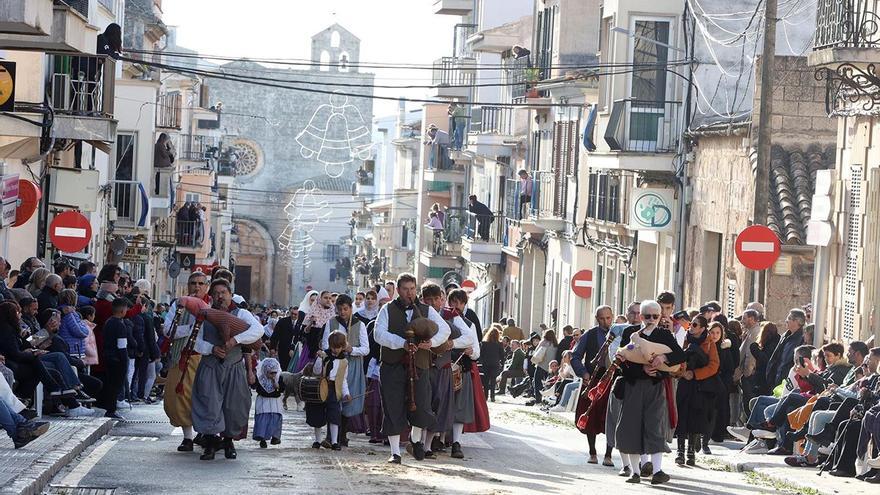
{"x": 390, "y": 329}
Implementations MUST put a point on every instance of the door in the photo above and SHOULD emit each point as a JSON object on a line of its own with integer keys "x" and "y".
{"x": 243, "y": 281}
{"x": 648, "y": 86}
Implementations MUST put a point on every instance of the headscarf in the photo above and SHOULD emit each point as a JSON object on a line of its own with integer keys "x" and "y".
{"x": 319, "y": 314}
{"x": 263, "y": 368}
{"x": 370, "y": 314}
{"x": 383, "y": 296}
{"x": 305, "y": 304}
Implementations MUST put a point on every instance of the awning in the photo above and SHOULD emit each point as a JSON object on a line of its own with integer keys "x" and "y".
{"x": 384, "y": 204}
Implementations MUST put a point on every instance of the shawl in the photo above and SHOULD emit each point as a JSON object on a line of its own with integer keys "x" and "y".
{"x": 320, "y": 315}
{"x": 369, "y": 314}
{"x": 263, "y": 369}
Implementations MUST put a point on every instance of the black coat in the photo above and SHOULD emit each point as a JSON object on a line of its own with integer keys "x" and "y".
{"x": 564, "y": 345}
{"x": 587, "y": 348}
{"x": 762, "y": 358}
{"x": 782, "y": 359}
{"x": 282, "y": 340}
{"x": 634, "y": 371}
{"x": 47, "y": 299}
{"x": 150, "y": 337}
{"x": 491, "y": 356}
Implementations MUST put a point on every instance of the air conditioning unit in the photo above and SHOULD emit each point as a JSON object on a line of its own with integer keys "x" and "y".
{"x": 74, "y": 187}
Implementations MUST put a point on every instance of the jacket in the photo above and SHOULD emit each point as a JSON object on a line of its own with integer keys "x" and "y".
{"x": 549, "y": 355}
{"x": 782, "y": 359}
{"x": 116, "y": 330}
{"x": 47, "y": 298}
{"x": 491, "y": 355}
{"x": 516, "y": 361}
{"x": 163, "y": 155}
{"x": 150, "y": 338}
{"x": 564, "y": 345}
{"x": 634, "y": 371}
{"x": 586, "y": 349}
{"x": 74, "y": 332}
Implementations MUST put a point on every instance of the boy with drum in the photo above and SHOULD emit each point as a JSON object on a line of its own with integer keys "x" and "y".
{"x": 333, "y": 366}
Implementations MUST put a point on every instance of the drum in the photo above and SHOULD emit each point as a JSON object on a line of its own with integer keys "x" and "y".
{"x": 314, "y": 389}
{"x": 456, "y": 377}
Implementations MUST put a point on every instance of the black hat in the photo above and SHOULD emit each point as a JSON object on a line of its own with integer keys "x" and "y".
{"x": 710, "y": 306}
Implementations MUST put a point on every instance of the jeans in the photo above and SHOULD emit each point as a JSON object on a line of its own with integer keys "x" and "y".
{"x": 146, "y": 376}
{"x": 569, "y": 389}
{"x": 818, "y": 420}
{"x": 10, "y": 420}
{"x": 762, "y": 404}
{"x": 458, "y": 132}
{"x": 58, "y": 362}
{"x": 537, "y": 385}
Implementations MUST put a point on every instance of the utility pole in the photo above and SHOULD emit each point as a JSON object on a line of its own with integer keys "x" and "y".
{"x": 762, "y": 169}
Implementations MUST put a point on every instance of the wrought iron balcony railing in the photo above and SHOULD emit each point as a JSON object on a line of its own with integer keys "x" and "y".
{"x": 492, "y": 120}
{"x": 644, "y": 126}
{"x": 198, "y": 148}
{"x": 452, "y": 71}
{"x": 82, "y": 84}
{"x": 847, "y": 24}
{"x": 485, "y": 228}
{"x": 168, "y": 110}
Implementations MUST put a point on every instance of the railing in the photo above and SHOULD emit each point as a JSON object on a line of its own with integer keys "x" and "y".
{"x": 165, "y": 232}
{"x": 847, "y": 24}
{"x": 549, "y": 195}
{"x": 82, "y": 84}
{"x": 492, "y": 120}
{"x": 81, "y": 6}
{"x": 438, "y": 159}
{"x": 515, "y": 76}
{"x": 485, "y": 228}
{"x": 190, "y": 233}
{"x": 454, "y": 225}
{"x": 644, "y": 126}
{"x": 129, "y": 202}
{"x": 512, "y": 233}
{"x": 198, "y": 148}
{"x": 460, "y": 47}
{"x": 452, "y": 71}
{"x": 168, "y": 110}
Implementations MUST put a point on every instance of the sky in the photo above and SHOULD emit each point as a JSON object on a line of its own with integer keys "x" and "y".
{"x": 395, "y": 31}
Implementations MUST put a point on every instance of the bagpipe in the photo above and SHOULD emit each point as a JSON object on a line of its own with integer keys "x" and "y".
{"x": 638, "y": 351}
{"x": 420, "y": 329}
{"x": 586, "y": 401}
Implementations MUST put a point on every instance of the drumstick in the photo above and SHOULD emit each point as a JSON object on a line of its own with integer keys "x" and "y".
{"x": 368, "y": 392}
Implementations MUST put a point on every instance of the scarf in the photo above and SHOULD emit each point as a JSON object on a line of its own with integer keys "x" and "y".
{"x": 263, "y": 369}
{"x": 383, "y": 296}
{"x": 304, "y": 304}
{"x": 319, "y": 314}
{"x": 696, "y": 340}
{"x": 369, "y": 313}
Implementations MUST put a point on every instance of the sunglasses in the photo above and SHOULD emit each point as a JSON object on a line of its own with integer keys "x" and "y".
{"x": 198, "y": 283}
{"x": 651, "y": 317}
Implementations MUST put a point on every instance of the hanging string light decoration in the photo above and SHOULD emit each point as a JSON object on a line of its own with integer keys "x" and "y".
{"x": 336, "y": 135}
{"x": 305, "y": 211}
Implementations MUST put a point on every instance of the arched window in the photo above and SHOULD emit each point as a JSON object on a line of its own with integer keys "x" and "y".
{"x": 344, "y": 61}
{"x": 325, "y": 60}
{"x": 334, "y": 39}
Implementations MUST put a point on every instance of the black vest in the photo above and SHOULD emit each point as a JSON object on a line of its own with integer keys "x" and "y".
{"x": 397, "y": 323}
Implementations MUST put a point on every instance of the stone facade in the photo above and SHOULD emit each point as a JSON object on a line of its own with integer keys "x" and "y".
{"x": 266, "y": 122}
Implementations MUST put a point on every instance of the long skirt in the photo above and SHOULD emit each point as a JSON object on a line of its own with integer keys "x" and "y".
{"x": 267, "y": 426}
{"x": 373, "y": 409}
{"x": 442, "y": 398}
{"x": 221, "y": 397}
{"x": 644, "y": 419}
{"x": 394, "y": 402}
{"x": 305, "y": 357}
{"x": 178, "y": 407}
{"x": 357, "y": 385}
{"x": 318, "y": 414}
{"x": 464, "y": 400}
{"x": 481, "y": 409}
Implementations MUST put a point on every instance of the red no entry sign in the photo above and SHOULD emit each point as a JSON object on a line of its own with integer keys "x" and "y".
{"x": 757, "y": 247}
{"x": 582, "y": 284}
{"x": 469, "y": 285}
{"x": 70, "y": 231}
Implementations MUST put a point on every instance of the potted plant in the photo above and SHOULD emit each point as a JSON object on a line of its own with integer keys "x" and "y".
{"x": 532, "y": 75}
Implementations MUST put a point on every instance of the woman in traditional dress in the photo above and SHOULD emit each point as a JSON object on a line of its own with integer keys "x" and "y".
{"x": 305, "y": 305}
{"x": 358, "y": 347}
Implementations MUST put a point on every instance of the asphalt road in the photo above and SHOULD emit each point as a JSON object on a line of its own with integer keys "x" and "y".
{"x": 526, "y": 451}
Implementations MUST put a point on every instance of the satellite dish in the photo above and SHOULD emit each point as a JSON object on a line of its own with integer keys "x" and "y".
{"x": 117, "y": 249}
{"x": 173, "y": 268}
{"x": 452, "y": 277}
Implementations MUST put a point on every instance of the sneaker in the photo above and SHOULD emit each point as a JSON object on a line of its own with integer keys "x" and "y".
{"x": 114, "y": 415}
{"x": 121, "y": 404}
{"x": 557, "y": 409}
{"x": 756, "y": 446}
{"x": 800, "y": 461}
{"x": 740, "y": 432}
{"x": 764, "y": 434}
{"x": 80, "y": 412}
{"x": 659, "y": 477}
{"x": 418, "y": 451}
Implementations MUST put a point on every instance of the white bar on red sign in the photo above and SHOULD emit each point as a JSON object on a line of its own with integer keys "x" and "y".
{"x": 70, "y": 232}
{"x": 583, "y": 283}
{"x": 758, "y": 247}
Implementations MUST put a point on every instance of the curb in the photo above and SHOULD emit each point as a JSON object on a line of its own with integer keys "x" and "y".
{"x": 800, "y": 482}
{"x": 48, "y": 468}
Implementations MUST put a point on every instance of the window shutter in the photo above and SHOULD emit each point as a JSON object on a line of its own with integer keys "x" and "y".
{"x": 851, "y": 280}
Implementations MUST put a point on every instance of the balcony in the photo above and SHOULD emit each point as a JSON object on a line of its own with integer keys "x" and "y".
{"x": 27, "y": 27}
{"x": 846, "y": 31}
{"x": 645, "y": 132}
{"x": 132, "y": 204}
{"x": 199, "y": 148}
{"x": 28, "y": 17}
{"x": 490, "y": 128}
{"x": 189, "y": 234}
{"x": 453, "y": 7}
{"x": 169, "y": 108}
{"x": 81, "y": 93}
{"x": 453, "y": 77}
{"x": 365, "y": 183}
{"x": 441, "y": 248}
{"x": 547, "y": 205}
{"x": 165, "y": 232}
{"x": 383, "y": 236}
{"x": 440, "y": 167}
{"x": 484, "y": 238}
{"x": 460, "y": 46}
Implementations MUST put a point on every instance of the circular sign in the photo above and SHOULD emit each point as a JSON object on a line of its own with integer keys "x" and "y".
{"x": 70, "y": 231}
{"x": 469, "y": 285}
{"x": 651, "y": 210}
{"x": 582, "y": 284}
{"x": 757, "y": 247}
{"x": 29, "y": 195}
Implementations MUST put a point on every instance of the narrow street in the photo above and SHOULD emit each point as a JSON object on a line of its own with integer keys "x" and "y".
{"x": 526, "y": 451}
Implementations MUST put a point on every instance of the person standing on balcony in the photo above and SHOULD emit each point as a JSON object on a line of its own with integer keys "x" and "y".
{"x": 437, "y": 228}
{"x": 526, "y": 186}
{"x": 182, "y": 219}
{"x": 441, "y": 215}
{"x": 163, "y": 158}
{"x": 484, "y": 217}
{"x": 200, "y": 217}
{"x": 438, "y": 141}
{"x": 458, "y": 123}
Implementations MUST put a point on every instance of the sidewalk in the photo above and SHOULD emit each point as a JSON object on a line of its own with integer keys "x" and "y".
{"x": 29, "y": 469}
{"x": 771, "y": 469}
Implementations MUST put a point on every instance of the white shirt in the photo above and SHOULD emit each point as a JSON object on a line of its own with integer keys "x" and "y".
{"x": 468, "y": 337}
{"x": 319, "y": 363}
{"x": 387, "y": 339}
{"x": 184, "y": 326}
{"x": 361, "y": 350}
{"x": 249, "y": 336}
